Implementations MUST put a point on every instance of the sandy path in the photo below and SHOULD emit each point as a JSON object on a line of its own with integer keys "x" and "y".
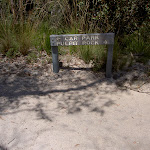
{"x": 74, "y": 110}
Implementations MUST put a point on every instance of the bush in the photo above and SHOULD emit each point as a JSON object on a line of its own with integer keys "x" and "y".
{"x": 120, "y": 17}
{"x": 91, "y": 53}
{"x": 22, "y": 29}
{"x": 8, "y": 42}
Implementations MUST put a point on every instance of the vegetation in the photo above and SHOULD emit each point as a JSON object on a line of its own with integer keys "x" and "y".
{"x": 27, "y": 24}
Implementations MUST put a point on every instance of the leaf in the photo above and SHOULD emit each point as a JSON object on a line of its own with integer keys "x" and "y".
{"x": 77, "y": 145}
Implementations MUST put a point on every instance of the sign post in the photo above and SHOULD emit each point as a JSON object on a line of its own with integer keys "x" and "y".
{"x": 55, "y": 59}
{"x": 83, "y": 39}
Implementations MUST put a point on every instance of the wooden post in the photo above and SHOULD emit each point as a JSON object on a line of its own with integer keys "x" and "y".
{"x": 55, "y": 59}
{"x": 109, "y": 61}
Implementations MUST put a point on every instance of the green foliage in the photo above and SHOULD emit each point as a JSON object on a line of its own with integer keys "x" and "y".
{"x": 8, "y": 43}
{"x": 99, "y": 57}
{"x": 30, "y": 24}
{"x": 22, "y": 30}
{"x": 25, "y": 42}
{"x": 12, "y": 53}
{"x": 91, "y": 54}
{"x": 14, "y": 39}
{"x": 108, "y": 16}
{"x": 85, "y": 53}
{"x": 138, "y": 42}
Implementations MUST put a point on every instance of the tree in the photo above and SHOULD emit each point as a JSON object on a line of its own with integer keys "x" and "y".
{"x": 120, "y": 17}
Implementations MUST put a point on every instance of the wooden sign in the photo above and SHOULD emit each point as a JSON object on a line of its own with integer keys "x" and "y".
{"x": 82, "y": 39}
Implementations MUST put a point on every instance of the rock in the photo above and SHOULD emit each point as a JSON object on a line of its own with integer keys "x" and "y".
{"x": 46, "y": 74}
{"x": 24, "y": 73}
{"x": 3, "y": 80}
{"x": 117, "y": 75}
{"x": 13, "y": 67}
{"x": 11, "y": 78}
{"x": 16, "y": 64}
{"x": 132, "y": 75}
{"x": 127, "y": 84}
{"x": 35, "y": 73}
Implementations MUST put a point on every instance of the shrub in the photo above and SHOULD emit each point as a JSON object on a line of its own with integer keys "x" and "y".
{"x": 91, "y": 53}
{"x": 8, "y": 41}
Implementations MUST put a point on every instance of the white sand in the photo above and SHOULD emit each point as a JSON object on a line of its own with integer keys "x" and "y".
{"x": 74, "y": 110}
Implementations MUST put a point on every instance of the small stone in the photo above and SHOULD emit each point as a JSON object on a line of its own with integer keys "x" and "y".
{"x": 16, "y": 64}
{"x": 117, "y": 76}
{"x": 35, "y": 73}
{"x": 46, "y": 74}
{"x": 24, "y": 72}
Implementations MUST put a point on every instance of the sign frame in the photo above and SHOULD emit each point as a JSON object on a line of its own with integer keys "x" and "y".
{"x": 83, "y": 39}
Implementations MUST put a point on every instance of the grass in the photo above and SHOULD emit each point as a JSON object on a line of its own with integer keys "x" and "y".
{"x": 125, "y": 49}
{"x": 91, "y": 53}
{"x": 14, "y": 39}
{"x": 8, "y": 43}
{"x": 19, "y": 39}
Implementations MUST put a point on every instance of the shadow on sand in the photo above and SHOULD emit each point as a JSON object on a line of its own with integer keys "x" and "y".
{"x": 70, "y": 92}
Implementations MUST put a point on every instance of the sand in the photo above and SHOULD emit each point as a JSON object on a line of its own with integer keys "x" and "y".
{"x": 72, "y": 110}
